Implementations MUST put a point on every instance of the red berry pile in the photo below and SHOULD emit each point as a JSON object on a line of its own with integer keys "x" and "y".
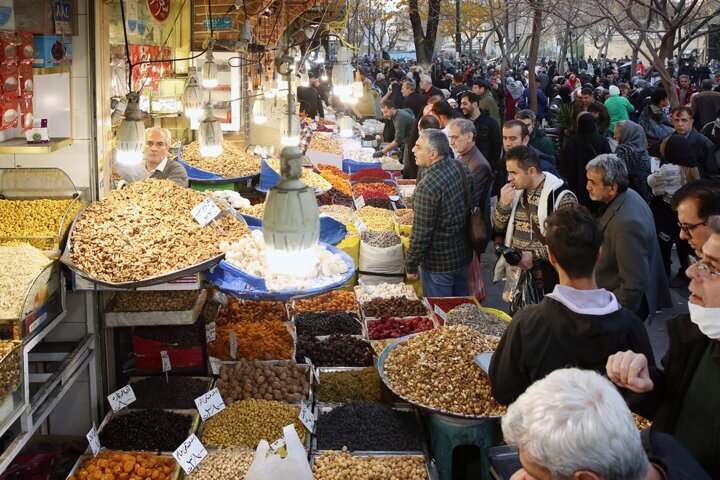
{"x": 394, "y": 327}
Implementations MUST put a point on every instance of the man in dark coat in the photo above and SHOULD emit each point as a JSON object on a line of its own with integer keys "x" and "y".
{"x": 703, "y": 147}
{"x": 311, "y": 96}
{"x": 488, "y": 137}
{"x": 412, "y": 99}
{"x": 705, "y": 105}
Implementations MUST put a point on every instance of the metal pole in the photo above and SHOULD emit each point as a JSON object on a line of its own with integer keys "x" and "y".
{"x": 458, "y": 39}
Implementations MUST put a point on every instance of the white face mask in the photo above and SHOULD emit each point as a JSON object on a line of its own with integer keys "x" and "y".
{"x": 707, "y": 319}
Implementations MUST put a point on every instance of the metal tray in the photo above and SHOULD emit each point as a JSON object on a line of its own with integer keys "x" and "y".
{"x": 85, "y": 456}
{"x": 150, "y": 318}
{"x": 426, "y": 408}
{"x": 430, "y": 468}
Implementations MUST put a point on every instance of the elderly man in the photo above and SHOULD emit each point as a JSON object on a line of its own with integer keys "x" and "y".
{"x": 427, "y": 89}
{"x": 461, "y": 133}
{"x": 682, "y": 398}
{"x": 559, "y": 423}
{"x": 630, "y": 266}
{"x": 439, "y": 247}
{"x": 157, "y": 164}
{"x": 694, "y": 203}
{"x": 702, "y": 146}
{"x": 411, "y": 99}
{"x": 403, "y": 122}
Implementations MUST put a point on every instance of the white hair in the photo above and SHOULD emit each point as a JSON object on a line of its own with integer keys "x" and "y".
{"x": 167, "y": 136}
{"x": 575, "y": 420}
{"x": 612, "y": 168}
{"x": 426, "y": 79}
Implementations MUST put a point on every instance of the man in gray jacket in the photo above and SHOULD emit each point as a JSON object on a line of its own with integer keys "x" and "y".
{"x": 630, "y": 265}
{"x": 157, "y": 164}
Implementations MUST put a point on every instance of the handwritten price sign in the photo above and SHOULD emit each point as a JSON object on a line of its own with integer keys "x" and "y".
{"x": 121, "y": 398}
{"x": 210, "y": 404}
{"x": 190, "y": 454}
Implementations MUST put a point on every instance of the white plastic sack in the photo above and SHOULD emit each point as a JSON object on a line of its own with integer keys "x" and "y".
{"x": 388, "y": 261}
{"x": 272, "y": 467}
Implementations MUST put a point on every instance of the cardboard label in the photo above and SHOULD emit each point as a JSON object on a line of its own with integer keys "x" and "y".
{"x": 205, "y": 212}
{"x": 94, "y": 440}
{"x": 210, "y": 403}
{"x": 314, "y": 370}
{"x": 359, "y": 225}
{"x": 190, "y": 454}
{"x": 233, "y": 345}
{"x": 215, "y": 364}
{"x": 165, "y": 361}
{"x": 121, "y": 398}
{"x": 210, "y": 332}
{"x": 359, "y": 202}
{"x": 306, "y": 417}
{"x": 440, "y": 313}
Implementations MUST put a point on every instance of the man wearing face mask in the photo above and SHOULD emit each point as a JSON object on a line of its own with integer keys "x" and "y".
{"x": 682, "y": 399}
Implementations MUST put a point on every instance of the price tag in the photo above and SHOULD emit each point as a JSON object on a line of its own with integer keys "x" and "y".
{"x": 205, "y": 212}
{"x": 359, "y": 202}
{"x": 94, "y": 440}
{"x": 210, "y": 332}
{"x": 210, "y": 403}
{"x": 313, "y": 370}
{"x": 440, "y": 313}
{"x": 277, "y": 445}
{"x": 359, "y": 225}
{"x": 233, "y": 345}
{"x": 306, "y": 417}
{"x": 190, "y": 454}
{"x": 215, "y": 364}
{"x": 121, "y": 398}
{"x": 165, "y": 361}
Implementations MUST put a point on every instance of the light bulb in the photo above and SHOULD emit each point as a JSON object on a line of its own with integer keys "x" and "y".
{"x": 259, "y": 113}
{"x": 324, "y": 77}
{"x": 209, "y": 71}
{"x": 291, "y": 133}
{"x": 349, "y": 100}
{"x": 130, "y": 141}
{"x": 357, "y": 89}
{"x": 192, "y": 97}
{"x": 210, "y": 134}
{"x": 342, "y": 74}
{"x": 346, "y": 127}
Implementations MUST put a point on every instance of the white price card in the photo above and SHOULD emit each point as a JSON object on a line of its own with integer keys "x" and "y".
{"x": 210, "y": 332}
{"x": 306, "y": 417}
{"x": 440, "y": 313}
{"x": 359, "y": 225}
{"x": 233, "y": 345}
{"x": 190, "y": 454}
{"x": 94, "y": 440}
{"x": 313, "y": 370}
{"x": 277, "y": 445}
{"x": 215, "y": 364}
{"x": 165, "y": 361}
{"x": 359, "y": 202}
{"x": 210, "y": 403}
{"x": 121, "y": 398}
{"x": 205, "y": 212}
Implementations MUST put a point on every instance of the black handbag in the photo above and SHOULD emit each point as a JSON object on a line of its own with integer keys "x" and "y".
{"x": 478, "y": 234}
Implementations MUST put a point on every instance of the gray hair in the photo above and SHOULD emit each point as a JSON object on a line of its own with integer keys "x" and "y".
{"x": 612, "y": 169}
{"x": 167, "y": 136}
{"x": 380, "y": 76}
{"x": 426, "y": 79}
{"x": 411, "y": 84}
{"x": 437, "y": 141}
{"x": 714, "y": 224}
{"x": 560, "y": 420}
{"x": 464, "y": 125}
{"x": 526, "y": 114}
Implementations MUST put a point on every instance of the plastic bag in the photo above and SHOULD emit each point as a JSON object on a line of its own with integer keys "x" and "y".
{"x": 520, "y": 289}
{"x": 27, "y": 48}
{"x": 381, "y": 264}
{"x": 476, "y": 279}
{"x": 8, "y": 111}
{"x": 272, "y": 467}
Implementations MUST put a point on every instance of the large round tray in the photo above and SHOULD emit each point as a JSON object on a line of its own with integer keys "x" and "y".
{"x": 381, "y": 371}
{"x": 203, "y": 176}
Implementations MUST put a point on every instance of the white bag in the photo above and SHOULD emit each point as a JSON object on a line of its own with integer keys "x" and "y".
{"x": 388, "y": 261}
{"x": 272, "y": 467}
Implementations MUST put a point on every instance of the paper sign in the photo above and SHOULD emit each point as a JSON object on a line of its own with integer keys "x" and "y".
{"x": 205, "y": 212}
{"x": 190, "y": 454}
{"x": 210, "y": 332}
{"x": 121, "y": 398}
{"x": 313, "y": 369}
{"x": 277, "y": 445}
{"x": 165, "y": 361}
{"x": 233, "y": 345}
{"x": 215, "y": 364}
{"x": 440, "y": 313}
{"x": 210, "y": 403}
{"x": 359, "y": 225}
{"x": 94, "y": 440}
{"x": 359, "y": 202}
{"x": 306, "y": 417}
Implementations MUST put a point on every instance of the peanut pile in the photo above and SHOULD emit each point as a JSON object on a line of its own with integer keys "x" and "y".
{"x": 326, "y": 144}
{"x": 232, "y": 163}
{"x": 224, "y": 464}
{"x": 342, "y": 466}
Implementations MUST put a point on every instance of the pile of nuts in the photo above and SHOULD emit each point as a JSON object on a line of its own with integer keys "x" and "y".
{"x": 172, "y": 393}
{"x": 233, "y": 162}
{"x": 308, "y": 177}
{"x": 282, "y": 381}
{"x": 484, "y": 322}
{"x": 380, "y": 239}
{"x": 180, "y": 336}
{"x": 377, "y": 219}
{"x": 21, "y": 263}
{"x": 250, "y": 254}
{"x": 365, "y": 293}
{"x": 392, "y": 327}
{"x": 257, "y": 211}
{"x": 325, "y": 144}
{"x": 9, "y": 366}
{"x": 349, "y": 386}
{"x": 143, "y": 301}
{"x": 342, "y": 465}
{"x": 437, "y": 369}
{"x": 327, "y": 323}
{"x": 37, "y": 218}
{"x": 336, "y": 351}
{"x": 379, "y": 345}
{"x": 146, "y": 230}
{"x": 404, "y": 216}
{"x": 225, "y": 464}
{"x": 395, "y": 306}
{"x": 248, "y": 421}
{"x": 130, "y": 465}
{"x": 337, "y": 178}
{"x": 338, "y": 212}
{"x": 334, "y": 301}
{"x": 149, "y": 430}
{"x": 238, "y": 311}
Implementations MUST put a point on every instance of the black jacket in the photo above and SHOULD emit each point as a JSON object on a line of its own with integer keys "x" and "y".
{"x": 549, "y": 336}
{"x": 665, "y": 452}
{"x": 704, "y": 150}
{"x": 578, "y": 151}
{"x": 488, "y": 138}
{"x": 312, "y": 97}
{"x": 414, "y": 102}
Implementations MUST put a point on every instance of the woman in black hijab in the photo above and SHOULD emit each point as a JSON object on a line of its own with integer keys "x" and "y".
{"x": 579, "y": 149}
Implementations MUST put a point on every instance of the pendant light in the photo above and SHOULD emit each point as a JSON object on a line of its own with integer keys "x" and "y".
{"x": 192, "y": 95}
{"x": 259, "y": 109}
{"x": 209, "y": 70}
{"x": 346, "y": 126}
{"x": 130, "y": 141}
{"x": 210, "y": 134}
{"x": 342, "y": 74}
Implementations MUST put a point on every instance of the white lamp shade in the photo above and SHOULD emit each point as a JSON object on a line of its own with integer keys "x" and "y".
{"x": 130, "y": 142}
{"x": 209, "y": 74}
{"x": 192, "y": 98}
{"x": 210, "y": 137}
{"x": 259, "y": 110}
{"x": 346, "y": 127}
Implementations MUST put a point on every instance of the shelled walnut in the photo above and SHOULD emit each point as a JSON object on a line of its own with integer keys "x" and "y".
{"x": 233, "y": 162}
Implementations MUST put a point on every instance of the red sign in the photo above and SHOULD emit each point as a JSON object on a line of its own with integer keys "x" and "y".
{"x": 159, "y": 9}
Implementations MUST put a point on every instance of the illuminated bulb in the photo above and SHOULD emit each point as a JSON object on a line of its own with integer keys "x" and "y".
{"x": 357, "y": 89}
{"x": 349, "y": 100}
{"x": 320, "y": 56}
{"x": 324, "y": 76}
{"x": 210, "y": 134}
{"x": 291, "y": 133}
{"x": 131, "y": 133}
{"x": 342, "y": 75}
{"x": 209, "y": 71}
{"x": 346, "y": 127}
{"x": 259, "y": 113}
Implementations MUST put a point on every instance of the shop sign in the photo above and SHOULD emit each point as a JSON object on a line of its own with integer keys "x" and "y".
{"x": 159, "y": 9}
{"x": 61, "y": 14}
{"x": 222, "y": 23}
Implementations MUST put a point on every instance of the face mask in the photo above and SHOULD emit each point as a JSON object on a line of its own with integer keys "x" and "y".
{"x": 707, "y": 319}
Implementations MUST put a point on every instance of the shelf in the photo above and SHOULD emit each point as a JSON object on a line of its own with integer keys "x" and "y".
{"x": 20, "y": 145}
{"x": 51, "y": 70}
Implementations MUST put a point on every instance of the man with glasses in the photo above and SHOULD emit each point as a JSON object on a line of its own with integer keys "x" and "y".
{"x": 694, "y": 203}
{"x": 682, "y": 398}
{"x": 157, "y": 164}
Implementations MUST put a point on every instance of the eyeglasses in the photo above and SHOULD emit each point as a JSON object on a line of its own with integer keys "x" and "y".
{"x": 689, "y": 228}
{"x": 704, "y": 270}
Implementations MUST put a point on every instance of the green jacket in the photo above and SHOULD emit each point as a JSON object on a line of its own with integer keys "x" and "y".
{"x": 619, "y": 109}
{"x": 539, "y": 140}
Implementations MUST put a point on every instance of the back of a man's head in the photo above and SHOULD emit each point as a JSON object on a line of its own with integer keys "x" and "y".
{"x": 575, "y": 420}
{"x": 574, "y": 236}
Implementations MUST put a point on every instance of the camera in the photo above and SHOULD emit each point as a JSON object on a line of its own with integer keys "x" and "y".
{"x": 512, "y": 256}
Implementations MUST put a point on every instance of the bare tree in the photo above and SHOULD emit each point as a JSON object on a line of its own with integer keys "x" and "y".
{"x": 424, "y": 38}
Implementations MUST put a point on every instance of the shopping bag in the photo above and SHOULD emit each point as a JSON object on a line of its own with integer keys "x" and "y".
{"x": 526, "y": 292}
{"x": 476, "y": 279}
{"x": 273, "y": 467}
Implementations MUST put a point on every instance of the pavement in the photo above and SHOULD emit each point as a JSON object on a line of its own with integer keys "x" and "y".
{"x": 656, "y": 330}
